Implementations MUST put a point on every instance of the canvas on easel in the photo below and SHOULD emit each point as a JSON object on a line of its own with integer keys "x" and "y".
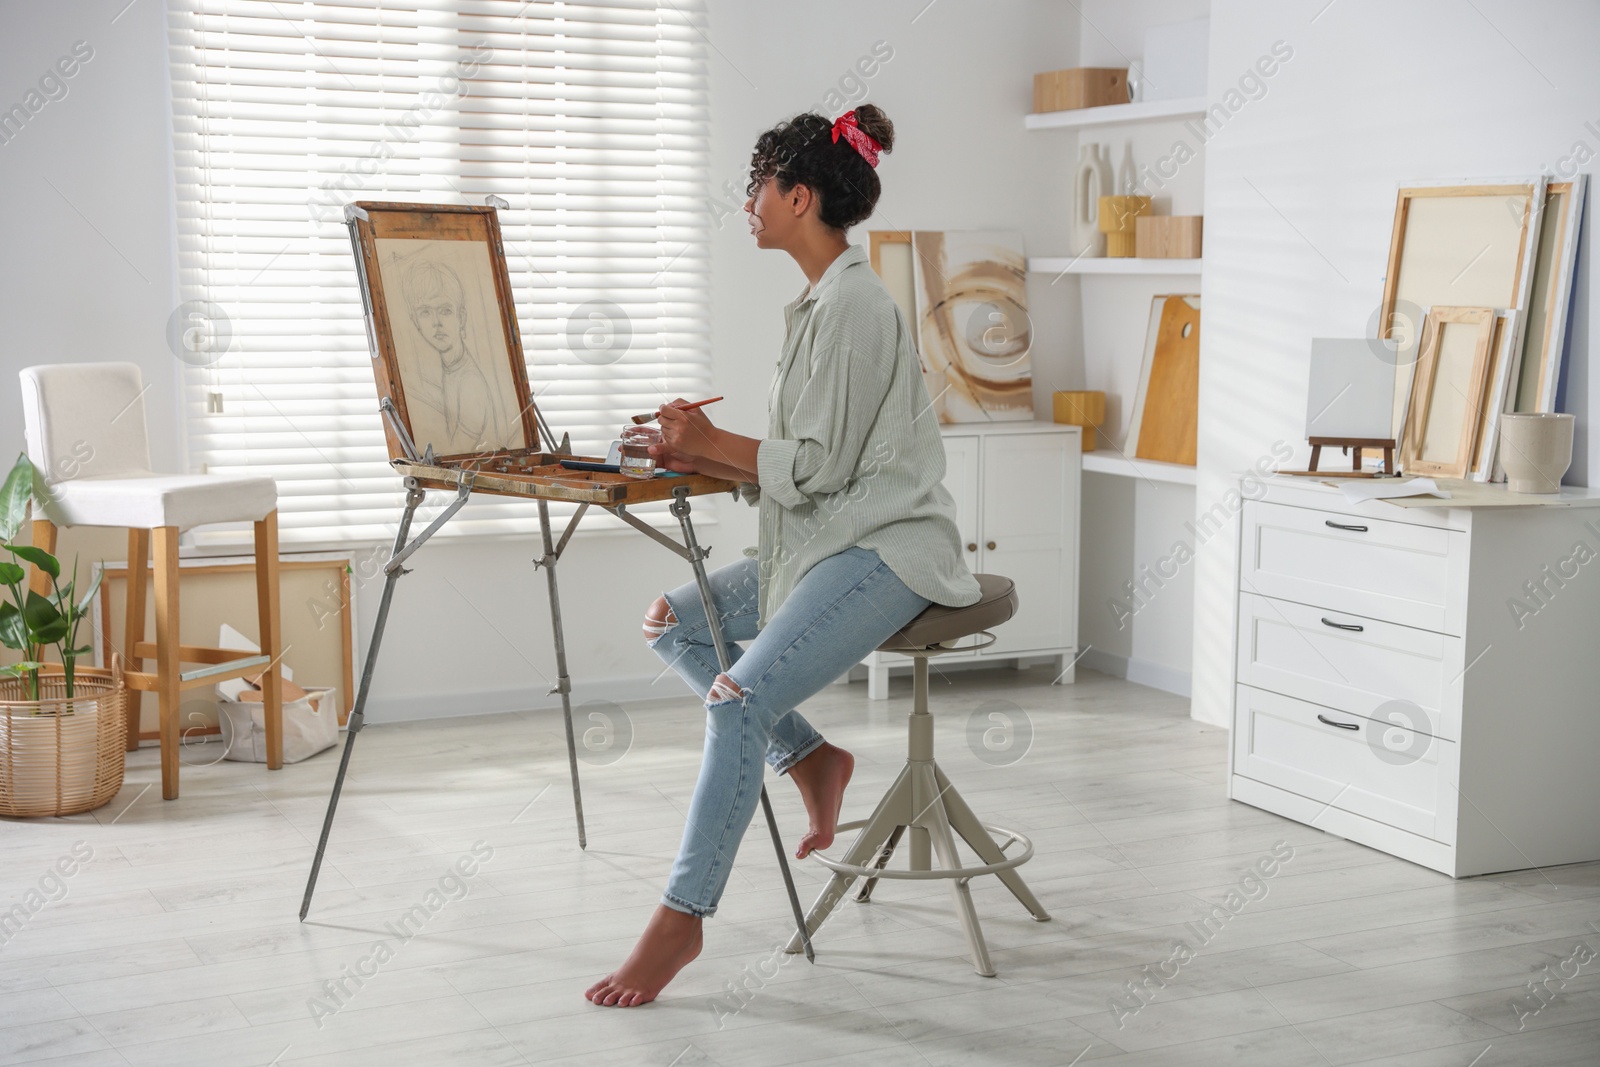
{"x": 452, "y": 382}
{"x": 443, "y": 331}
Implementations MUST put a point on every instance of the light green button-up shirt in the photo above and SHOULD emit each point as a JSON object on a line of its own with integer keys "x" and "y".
{"x": 853, "y": 454}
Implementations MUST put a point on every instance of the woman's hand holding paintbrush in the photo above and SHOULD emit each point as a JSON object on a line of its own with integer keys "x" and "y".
{"x": 691, "y": 444}
{"x": 681, "y": 404}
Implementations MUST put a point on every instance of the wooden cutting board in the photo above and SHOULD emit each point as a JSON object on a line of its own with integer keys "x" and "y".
{"x": 1169, "y": 420}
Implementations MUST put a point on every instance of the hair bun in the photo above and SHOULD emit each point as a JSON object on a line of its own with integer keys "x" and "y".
{"x": 875, "y": 124}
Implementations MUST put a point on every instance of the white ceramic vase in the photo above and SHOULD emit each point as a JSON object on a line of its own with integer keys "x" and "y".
{"x": 1535, "y": 450}
{"x": 1093, "y": 180}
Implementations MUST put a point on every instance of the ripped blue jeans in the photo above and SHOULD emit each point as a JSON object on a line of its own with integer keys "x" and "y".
{"x": 842, "y": 609}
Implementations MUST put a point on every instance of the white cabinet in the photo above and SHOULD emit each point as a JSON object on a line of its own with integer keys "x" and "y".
{"x": 1423, "y": 680}
{"x": 1016, "y": 492}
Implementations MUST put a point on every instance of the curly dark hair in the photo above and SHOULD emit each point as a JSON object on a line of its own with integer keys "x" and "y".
{"x": 802, "y": 151}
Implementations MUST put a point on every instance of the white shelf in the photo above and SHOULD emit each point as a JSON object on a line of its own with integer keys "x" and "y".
{"x": 1148, "y": 111}
{"x": 1110, "y": 463}
{"x": 1108, "y": 265}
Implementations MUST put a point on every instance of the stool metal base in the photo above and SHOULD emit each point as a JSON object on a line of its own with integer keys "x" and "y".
{"x": 923, "y": 801}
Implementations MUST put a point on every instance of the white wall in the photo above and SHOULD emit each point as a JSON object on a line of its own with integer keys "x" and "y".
{"x": 470, "y": 629}
{"x": 1300, "y": 189}
{"x": 1130, "y": 525}
{"x": 956, "y": 88}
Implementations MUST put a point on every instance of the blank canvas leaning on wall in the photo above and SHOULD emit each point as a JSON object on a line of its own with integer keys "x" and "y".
{"x": 1456, "y": 244}
{"x": 318, "y": 620}
{"x": 1447, "y": 392}
{"x": 1550, "y": 303}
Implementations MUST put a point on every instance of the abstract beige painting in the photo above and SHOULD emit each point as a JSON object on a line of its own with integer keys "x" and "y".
{"x": 973, "y": 329}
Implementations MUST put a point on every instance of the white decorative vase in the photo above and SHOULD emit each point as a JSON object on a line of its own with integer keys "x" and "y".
{"x": 1535, "y": 450}
{"x": 1092, "y": 181}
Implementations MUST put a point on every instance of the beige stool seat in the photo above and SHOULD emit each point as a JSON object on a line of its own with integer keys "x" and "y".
{"x": 923, "y": 801}
{"x": 86, "y": 435}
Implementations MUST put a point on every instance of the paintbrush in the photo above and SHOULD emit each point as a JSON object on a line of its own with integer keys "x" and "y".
{"x": 650, "y": 416}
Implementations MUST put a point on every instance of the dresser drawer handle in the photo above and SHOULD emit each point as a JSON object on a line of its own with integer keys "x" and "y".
{"x": 1354, "y": 627}
{"x": 1344, "y": 526}
{"x": 1340, "y": 725}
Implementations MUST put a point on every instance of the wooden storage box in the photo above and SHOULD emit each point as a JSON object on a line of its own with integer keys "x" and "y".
{"x": 1068, "y": 90}
{"x": 1085, "y": 408}
{"x": 1167, "y": 236}
{"x": 1118, "y": 218}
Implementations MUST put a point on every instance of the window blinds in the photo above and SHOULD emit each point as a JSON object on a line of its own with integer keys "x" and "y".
{"x": 588, "y": 118}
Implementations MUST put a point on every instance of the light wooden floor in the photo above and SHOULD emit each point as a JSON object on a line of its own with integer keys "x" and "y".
{"x": 177, "y": 943}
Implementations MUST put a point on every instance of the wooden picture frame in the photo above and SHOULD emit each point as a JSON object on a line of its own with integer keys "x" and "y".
{"x": 442, "y": 331}
{"x": 1447, "y": 391}
{"x": 1549, "y": 309}
{"x": 318, "y": 619}
{"x": 1456, "y": 243}
{"x": 1504, "y": 359}
{"x": 891, "y": 254}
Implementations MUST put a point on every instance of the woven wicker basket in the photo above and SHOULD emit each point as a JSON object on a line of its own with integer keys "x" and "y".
{"x": 60, "y": 756}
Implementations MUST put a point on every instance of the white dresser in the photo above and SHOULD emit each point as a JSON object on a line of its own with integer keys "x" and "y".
{"x": 1423, "y": 680}
{"x": 1016, "y": 486}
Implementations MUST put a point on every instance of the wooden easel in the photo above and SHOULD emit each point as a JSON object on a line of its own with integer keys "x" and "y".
{"x": 529, "y": 472}
{"x": 1353, "y": 445}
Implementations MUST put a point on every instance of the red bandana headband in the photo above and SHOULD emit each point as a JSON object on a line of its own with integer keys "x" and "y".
{"x": 859, "y": 139}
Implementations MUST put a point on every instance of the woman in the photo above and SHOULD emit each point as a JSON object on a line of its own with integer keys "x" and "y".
{"x": 858, "y": 534}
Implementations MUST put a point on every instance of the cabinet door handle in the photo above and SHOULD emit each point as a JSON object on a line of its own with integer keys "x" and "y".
{"x": 990, "y": 546}
{"x": 972, "y": 546}
{"x": 1355, "y": 627}
{"x": 1340, "y": 725}
{"x": 1344, "y": 526}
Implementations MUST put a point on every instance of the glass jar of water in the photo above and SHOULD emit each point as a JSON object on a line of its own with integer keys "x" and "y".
{"x": 637, "y": 462}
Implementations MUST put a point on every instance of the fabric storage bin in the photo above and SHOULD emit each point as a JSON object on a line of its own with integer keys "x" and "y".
{"x": 307, "y": 730}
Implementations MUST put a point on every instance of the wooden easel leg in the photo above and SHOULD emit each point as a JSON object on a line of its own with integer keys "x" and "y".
{"x": 271, "y": 636}
{"x": 563, "y": 683}
{"x": 359, "y": 712}
{"x": 168, "y": 663}
{"x": 133, "y": 627}
{"x": 1355, "y": 458}
{"x": 1316, "y": 454}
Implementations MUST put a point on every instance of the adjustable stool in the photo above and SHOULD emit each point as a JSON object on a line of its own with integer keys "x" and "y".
{"x": 922, "y": 798}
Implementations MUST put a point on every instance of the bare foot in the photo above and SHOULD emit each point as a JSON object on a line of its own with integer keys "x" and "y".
{"x": 670, "y": 940}
{"x": 822, "y": 777}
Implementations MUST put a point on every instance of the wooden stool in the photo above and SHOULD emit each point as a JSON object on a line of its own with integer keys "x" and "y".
{"x": 922, "y": 799}
{"x": 86, "y": 436}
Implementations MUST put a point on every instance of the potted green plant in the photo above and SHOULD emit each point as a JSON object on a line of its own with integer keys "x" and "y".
{"x": 61, "y": 726}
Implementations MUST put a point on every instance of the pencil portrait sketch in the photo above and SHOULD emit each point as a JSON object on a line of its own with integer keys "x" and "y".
{"x": 450, "y": 346}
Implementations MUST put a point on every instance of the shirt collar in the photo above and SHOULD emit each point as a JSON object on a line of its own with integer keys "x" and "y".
{"x": 852, "y": 255}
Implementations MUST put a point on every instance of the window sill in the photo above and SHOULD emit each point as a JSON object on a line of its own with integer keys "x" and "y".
{"x": 596, "y": 525}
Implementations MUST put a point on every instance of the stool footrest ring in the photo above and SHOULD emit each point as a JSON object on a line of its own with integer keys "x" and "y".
{"x": 955, "y": 872}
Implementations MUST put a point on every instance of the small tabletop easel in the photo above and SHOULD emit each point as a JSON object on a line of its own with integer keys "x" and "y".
{"x": 1354, "y": 446}
{"x": 418, "y": 253}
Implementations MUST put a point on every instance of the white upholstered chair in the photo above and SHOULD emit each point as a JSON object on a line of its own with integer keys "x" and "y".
{"x": 86, "y": 435}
